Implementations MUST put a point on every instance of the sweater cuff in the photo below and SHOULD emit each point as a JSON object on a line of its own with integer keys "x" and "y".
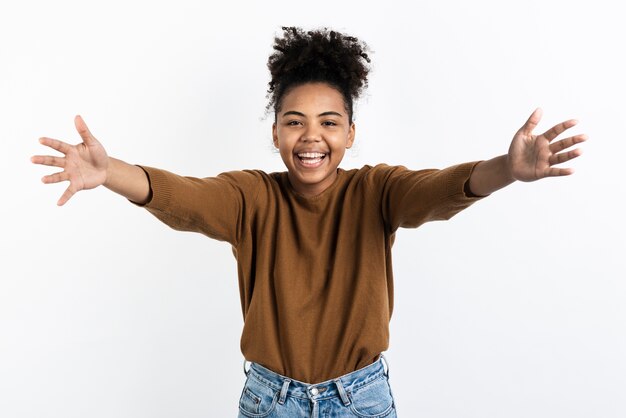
{"x": 458, "y": 182}
{"x": 160, "y": 189}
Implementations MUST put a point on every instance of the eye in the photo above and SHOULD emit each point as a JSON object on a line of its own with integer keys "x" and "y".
{"x": 329, "y": 123}
{"x": 293, "y": 122}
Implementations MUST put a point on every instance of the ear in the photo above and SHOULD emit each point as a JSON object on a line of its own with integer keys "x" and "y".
{"x": 351, "y": 136}
{"x": 274, "y": 135}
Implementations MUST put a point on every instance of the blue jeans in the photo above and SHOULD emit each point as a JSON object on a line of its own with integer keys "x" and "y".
{"x": 364, "y": 393}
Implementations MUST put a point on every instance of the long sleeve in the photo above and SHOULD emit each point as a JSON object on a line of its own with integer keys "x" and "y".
{"x": 213, "y": 206}
{"x": 411, "y": 198}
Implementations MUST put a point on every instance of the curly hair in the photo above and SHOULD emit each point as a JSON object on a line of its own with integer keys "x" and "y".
{"x": 322, "y": 55}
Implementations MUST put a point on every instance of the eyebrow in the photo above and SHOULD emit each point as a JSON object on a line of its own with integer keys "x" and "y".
{"x": 329, "y": 113}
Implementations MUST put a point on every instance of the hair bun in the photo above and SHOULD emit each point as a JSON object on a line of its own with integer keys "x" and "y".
{"x": 317, "y": 56}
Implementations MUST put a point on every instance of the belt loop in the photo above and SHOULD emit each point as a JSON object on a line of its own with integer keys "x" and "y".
{"x": 384, "y": 359}
{"x": 244, "y": 367}
{"x": 283, "y": 391}
{"x": 342, "y": 392}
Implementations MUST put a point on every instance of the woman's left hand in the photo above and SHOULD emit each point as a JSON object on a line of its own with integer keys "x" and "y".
{"x": 532, "y": 157}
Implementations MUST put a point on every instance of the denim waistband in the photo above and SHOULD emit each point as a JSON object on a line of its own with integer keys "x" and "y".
{"x": 323, "y": 390}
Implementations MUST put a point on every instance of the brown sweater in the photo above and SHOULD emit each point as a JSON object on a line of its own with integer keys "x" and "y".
{"x": 315, "y": 274}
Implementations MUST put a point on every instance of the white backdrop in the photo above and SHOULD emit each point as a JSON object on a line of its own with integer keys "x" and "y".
{"x": 514, "y": 308}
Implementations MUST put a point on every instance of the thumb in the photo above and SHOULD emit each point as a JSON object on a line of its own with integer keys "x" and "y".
{"x": 83, "y": 130}
{"x": 532, "y": 122}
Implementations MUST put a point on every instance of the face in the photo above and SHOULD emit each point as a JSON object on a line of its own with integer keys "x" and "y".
{"x": 312, "y": 132}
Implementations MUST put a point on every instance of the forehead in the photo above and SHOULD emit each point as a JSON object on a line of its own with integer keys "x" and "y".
{"x": 315, "y": 96}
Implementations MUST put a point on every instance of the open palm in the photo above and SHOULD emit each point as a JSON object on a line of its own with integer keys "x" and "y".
{"x": 84, "y": 165}
{"x": 532, "y": 157}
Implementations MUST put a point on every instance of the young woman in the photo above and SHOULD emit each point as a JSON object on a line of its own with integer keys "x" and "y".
{"x": 313, "y": 243}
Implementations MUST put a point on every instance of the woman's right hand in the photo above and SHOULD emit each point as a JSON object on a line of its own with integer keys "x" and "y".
{"x": 84, "y": 165}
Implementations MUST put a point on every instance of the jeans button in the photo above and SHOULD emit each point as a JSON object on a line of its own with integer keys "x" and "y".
{"x": 314, "y": 391}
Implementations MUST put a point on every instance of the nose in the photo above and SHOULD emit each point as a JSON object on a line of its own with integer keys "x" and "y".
{"x": 312, "y": 133}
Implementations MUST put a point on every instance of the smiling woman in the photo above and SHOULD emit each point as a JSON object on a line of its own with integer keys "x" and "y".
{"x": 312, "y": 136}
{"x": 316, "y": 76}
{"x": 313, "y": 244}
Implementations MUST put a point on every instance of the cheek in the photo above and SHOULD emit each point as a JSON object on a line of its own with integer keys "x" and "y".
{"x": 285, "y": 153}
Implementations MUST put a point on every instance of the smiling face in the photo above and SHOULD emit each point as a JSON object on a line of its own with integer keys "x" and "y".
{"x": 312, "y": 132}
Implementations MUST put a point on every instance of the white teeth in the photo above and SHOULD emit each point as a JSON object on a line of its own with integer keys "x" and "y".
{"x": 309, "y": 161}
{"x": 311, "y": 155}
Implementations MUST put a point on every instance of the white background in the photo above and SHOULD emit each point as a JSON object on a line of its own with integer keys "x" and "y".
{"x": 514, "y": 308}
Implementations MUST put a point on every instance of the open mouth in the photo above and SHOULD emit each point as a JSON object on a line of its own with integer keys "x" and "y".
{"x": 311, "y": 159}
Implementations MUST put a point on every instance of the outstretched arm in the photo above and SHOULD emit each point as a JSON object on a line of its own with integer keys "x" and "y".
{"x": 530, "y": 157}
{"x": 87, "y": 165}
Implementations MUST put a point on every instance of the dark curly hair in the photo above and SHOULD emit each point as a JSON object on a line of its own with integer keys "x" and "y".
{"x": 322, "y": 55}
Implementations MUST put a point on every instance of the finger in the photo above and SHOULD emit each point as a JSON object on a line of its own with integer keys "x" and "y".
{"x": 567, "y": 142}
{"x": 83, "y": 130}
{"x": 557, "y": 172}
{"x": 48, "y": 160}
{"x": 55, "y": 144}
{"x": 55, "y": 178}
{"x": 564, "y": 156}
{"x": 69, "y": 192}
{"x": 557, "y": 130}
{"x": 532, "y": 122}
